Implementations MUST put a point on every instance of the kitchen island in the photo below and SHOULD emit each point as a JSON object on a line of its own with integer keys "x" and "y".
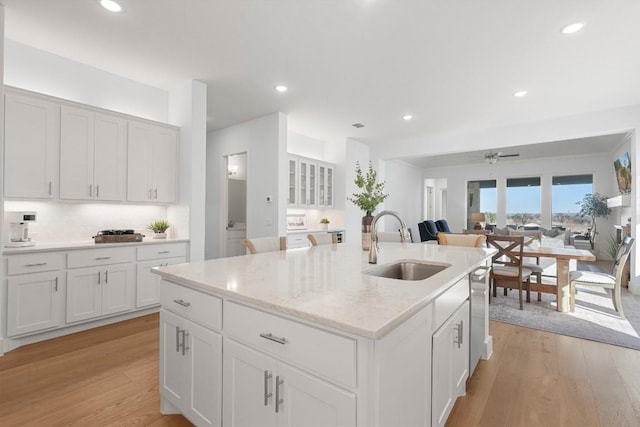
{"x": 309, "y": 337}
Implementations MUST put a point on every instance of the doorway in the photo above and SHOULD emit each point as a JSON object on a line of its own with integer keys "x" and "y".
{"x": 236, "y": 200}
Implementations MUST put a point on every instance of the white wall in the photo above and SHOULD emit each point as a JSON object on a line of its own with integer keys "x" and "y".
{"x": 405, "y": 189}
{"x": 264, "y": 141}
{"x": 40, "y": 71}
{"x": 457, "y": 178}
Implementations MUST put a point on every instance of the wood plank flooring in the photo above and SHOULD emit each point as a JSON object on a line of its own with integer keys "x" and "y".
{"x": 109, "y": 377}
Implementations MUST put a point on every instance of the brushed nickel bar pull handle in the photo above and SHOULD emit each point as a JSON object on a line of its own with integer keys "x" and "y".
{"x": 99, "y": 258}
{"x": 267, "y": 394}
{"x": 271, "y": 337}
{"x": 185, "y": 334}
{"x": 99, "y": 277}
{"x": 164, "y": 252}
{"x": 150, "y": 194}
{"x": 279, "y": 399}
{"x": 177, "y": 339}
{"x": 55, "y": 288}
{"x": 49, "y": 187}
{"x": 106, "y": 276}
{"x": 90, "y": 190}
{"x": 98, "y": 190}
{"x": 182, "y": 303}
{"x": 37, "y": 264}
{"x": 156, "y": 194}
{"x": 461, "y": 333}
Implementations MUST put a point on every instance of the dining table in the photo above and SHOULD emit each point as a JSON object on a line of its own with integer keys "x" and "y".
{"x": 562, "y": 257}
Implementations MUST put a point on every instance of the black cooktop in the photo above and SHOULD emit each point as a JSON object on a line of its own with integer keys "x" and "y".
{"x": 115, "y": 232}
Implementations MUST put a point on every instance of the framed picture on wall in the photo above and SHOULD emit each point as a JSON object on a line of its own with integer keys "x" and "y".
{"x": 296, "y": 221}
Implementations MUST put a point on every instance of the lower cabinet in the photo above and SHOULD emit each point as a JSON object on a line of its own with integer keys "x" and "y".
{"x": 98, "y": 291}
{"x": 34, "y": 302}
{"x": 260, "y": 390}
{"x": 148, "y": 284}
{"x": 191, "y": 369}
{"x": 450, "y": 368}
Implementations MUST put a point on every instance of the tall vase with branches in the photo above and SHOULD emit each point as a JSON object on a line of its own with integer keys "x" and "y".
{"x": 594, "y": 206}
{"x": 368, "y": 199}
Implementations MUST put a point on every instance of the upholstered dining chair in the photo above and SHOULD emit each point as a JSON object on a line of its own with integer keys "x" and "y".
{"x": 265, "y": 244}
{"x": 428, "y": 230}
{"x": 612, "y": 281}
{"x": 322, "y": 238}
{"x": 443, "y": 226}
{"x": 453, "y": 239}
{"x": 506, "y": 269}
{"x": 531, "y": 264}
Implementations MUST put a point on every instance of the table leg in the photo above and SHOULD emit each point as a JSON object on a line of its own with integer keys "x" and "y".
{"x": 562, "y": 267}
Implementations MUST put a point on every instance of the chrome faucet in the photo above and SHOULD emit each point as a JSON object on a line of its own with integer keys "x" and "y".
{"x": 373, "y": 250}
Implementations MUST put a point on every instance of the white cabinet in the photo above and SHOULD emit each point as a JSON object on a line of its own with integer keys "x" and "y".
{"x": 190, "y": 369}
{"x": 307, "y": 183}
{"x": 259, "y": 390}
{"x": 292, "y": 194}
{"x": 99, "y": 291}
{"x": 325, "y": 185}
{"x": 450, "y": 363}
{"x": 147, "y": 283}
{"x": 152, "y": 154}
{"x": 92, "y": 155}
{"x": 31, "y": 147}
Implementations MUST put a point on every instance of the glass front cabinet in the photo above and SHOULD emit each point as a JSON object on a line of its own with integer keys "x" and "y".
{"x": 310, "y": 183}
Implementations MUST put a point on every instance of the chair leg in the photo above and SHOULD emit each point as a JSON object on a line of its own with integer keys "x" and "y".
{"x": 520, "y": 294}
{"x": 617, "y": 301}
{"x": 528, "y": 290}
{"x": 539, "y": 281}
{"x": 572, "y": 297}
{"x": 495, "y": 288}
{"x": 490, "y": 280}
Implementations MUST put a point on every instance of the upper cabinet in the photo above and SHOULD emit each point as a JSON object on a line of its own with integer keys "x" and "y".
{"x": 310, "y": 183}
{"x": 57, "y": 149}
{"x": 151, "y": 163}
{"x": 32, "y": 144}
{"x": 92, "y": 155}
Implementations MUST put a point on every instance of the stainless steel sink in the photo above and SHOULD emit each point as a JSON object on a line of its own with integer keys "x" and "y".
{"x": 407, "y": 270}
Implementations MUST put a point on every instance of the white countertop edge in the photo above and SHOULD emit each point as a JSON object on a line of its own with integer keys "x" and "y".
{"x": 83, "y": 244}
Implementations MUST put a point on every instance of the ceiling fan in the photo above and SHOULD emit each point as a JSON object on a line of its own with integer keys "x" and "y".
{"x": 492, "y": 157}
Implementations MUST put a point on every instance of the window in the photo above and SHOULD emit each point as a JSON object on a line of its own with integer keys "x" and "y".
{"x": 523, "y": 202}
{"x": 566, "y": 193}
{"x": 481, "y": 197}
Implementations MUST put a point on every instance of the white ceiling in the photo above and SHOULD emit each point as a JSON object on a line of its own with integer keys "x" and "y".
{"x": 452, "y": 64}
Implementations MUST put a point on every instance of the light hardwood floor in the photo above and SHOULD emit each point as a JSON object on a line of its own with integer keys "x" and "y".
{"x": 109, "y": 376}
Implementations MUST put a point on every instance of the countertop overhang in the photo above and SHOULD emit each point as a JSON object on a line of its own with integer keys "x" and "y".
{"x": 326, "y": 284}
{"x": 82, "y": 244}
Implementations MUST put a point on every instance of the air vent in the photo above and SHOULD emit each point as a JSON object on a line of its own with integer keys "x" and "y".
{"x": 357, "y": 125}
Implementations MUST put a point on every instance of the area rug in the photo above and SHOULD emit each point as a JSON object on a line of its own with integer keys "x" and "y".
{"x": 594, "y": 318}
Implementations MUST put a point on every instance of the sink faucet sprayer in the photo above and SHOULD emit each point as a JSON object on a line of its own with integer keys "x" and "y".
{"x": 373, "y": 251}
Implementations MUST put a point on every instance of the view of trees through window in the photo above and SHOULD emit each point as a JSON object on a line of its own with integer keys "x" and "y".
{"x": 482, "y": 198}
{"x": 523, "y": 201}
{"x": 566, "y": 194}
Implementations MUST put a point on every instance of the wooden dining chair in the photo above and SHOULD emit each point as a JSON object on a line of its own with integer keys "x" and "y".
{"x": 507, "y": 270}
{"x": 322, "y": 238}
{"x": 531, "y": 264}
{"x": 612, "y": 281}
{"x": 453, "y": 239}
{"x": 265, "y": 244}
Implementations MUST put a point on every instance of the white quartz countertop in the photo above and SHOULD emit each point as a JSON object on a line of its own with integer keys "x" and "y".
{"x": 82, "y": 244}
{"x": 326, "y": 285}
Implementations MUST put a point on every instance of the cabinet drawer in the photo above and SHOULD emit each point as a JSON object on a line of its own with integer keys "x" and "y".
{"x": 328, "y": 355}
{"x": 295, "y": 241}
{"x": 92, "y": 257}
{"x": 166, "y": 250}
{"x": 35, "y": 263}
{"x": 197, "y": 306}
{"x": 447, "y": 303}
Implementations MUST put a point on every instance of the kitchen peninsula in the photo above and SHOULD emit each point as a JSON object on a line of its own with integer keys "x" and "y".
{"x": 314, "y": 336}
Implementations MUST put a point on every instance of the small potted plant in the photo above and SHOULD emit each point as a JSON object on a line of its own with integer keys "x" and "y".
{"x": 325, "y": 223}
{"x": 159, "y": 229}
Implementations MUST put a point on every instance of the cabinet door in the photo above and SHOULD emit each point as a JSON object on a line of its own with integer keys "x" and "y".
{"x": 84, "y": 293}
{"x": 31, "y": 148}
{"x": 34, "y": 302}
{"x": 118, "y": 288}
{"x": 163, "y": 166}
{"x": 204, "y": 372}
{"x": 309, "y": 401}
{"x": 329, "y": 193}
{"x": 322, "y": 185}
{"x": 442, "y": 396}
{"x": 248, "y": 380}
{"x": 138, "y": 162}
{"x": 148, "y": 284}
{"x": 76, "y": 153}
{"x": 312, "y": 185}
{"x": 173, "y": 365}
{"x": 303, "y": 183}
{"x": 292, "y": 198}
{"x": 109, "y": 157}
{"x": 461, "y": 349}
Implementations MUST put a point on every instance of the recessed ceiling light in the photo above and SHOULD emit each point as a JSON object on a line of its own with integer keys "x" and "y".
{"x": 573, "y": 28}
{"x": 520, "y": 93}
{"x": 111, "y": 5}
{"x": 280, "y": 88}
{"x": 407, "y": 117}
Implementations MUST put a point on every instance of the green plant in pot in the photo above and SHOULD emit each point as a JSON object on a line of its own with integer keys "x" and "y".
{"x": 159, "y": 229}
{"x": 325, "y": 223}
{"x": 594, "y": 206}
{"x": 368, "y": 199}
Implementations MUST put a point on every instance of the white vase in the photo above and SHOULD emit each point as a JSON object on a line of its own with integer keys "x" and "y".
{"x": 324, "y": 226}
{"x": 159, "y": 235}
